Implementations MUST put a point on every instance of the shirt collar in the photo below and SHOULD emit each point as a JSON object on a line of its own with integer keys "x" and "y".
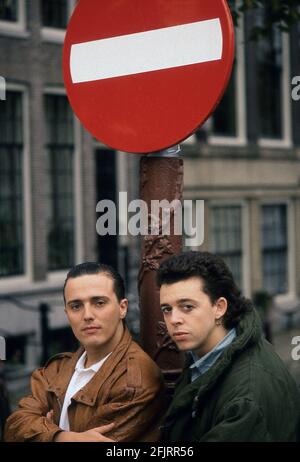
{"x": 94, "y": 367}
{"x": 201, "y": 365}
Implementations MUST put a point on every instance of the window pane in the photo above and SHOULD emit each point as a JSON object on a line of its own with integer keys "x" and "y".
{"x": 224, "y": 118}
{"x": 8, "y": 10}
{"x": 54, "y": 13}
{"x": 227, "y": 237}
{"x": 60, "y": 147}
{"x": 224, "y": 122}
{"x": 269, "y": 78}
{"x": 11, "y": 187}
{"x": 274, "y": 242}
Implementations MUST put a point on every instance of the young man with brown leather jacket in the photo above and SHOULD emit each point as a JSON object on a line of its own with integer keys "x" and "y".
{"x": 109, "y": 390}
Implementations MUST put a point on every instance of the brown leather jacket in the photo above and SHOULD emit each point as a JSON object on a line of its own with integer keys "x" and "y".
{"x": 128, "y": 390}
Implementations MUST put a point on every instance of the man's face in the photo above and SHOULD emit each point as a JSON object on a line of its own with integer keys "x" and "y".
{"x": 190, "y": 315}
{"x": 94, "y": 312}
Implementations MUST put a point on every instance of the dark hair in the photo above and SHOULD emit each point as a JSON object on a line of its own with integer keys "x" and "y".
{"x": 97, "y": 268}
{"x": 216, "y": 277}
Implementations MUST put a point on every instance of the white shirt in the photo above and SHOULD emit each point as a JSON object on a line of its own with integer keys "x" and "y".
{"x": 79, "y": 379}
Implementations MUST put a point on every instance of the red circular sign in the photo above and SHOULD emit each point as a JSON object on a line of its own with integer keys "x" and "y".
{"x": 143, "y": 76}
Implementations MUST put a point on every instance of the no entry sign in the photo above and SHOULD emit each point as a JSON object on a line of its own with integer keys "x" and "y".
{"x": 144, "y": 75}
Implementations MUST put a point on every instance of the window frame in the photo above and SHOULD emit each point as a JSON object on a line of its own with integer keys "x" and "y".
{"x": 286, "y": 113}
{"x": 16, "y": 28}
{"x": 58, "y": 276}
{"x": 10, "y": 282}
{"x": 291, "y": 245}
{"x": 245, "y": 238}
{"x": 54, "y": 34}
{"x": 240, "y": 101}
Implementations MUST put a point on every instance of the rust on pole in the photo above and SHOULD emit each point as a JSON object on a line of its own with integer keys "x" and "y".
{"x": 161, "y": 178}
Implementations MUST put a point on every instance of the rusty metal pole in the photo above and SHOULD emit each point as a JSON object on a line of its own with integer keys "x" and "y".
{"x": 161, "y": 177}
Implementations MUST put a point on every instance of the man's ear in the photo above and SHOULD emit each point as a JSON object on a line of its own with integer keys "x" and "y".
{"x": 123, "y": 307}
{"x": 222, "y": 306}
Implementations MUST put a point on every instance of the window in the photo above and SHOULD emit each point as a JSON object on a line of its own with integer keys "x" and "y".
{"x": 16, "y": 349}
{"x": 275, "y": 248}
{"x": 61, "y": 339}
{"x": 269, "y": 80}
{"x": 11, "y": 186}
{"x": 228, "y": 123}
{"x": 273, "y": 77}
{"x": 55, "y": 13}
{"x": 105, "y": 162}
{"x": 12, "y": 17}
{"x": 55, "y": 16}
{"x": 60, "y": 157}
{"x": 227, "y": 237}
{"x": 9, "y": 10}
{"x": 224, "y": 121}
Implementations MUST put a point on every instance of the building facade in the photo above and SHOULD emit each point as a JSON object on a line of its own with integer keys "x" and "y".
{"x": 248, "y": 169}
{"x": 244, "y": 163}
{"x": 52, "y": 174}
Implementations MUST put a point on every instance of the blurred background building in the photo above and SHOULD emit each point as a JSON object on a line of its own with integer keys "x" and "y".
{"x": 244, "y": 162}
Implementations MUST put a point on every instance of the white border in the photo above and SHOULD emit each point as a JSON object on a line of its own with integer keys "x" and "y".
{"x": 59, "y": 276}
{"x": 16, "y": 28}
{"x": 11, "y": 282}
{"x": 286, "y": 141}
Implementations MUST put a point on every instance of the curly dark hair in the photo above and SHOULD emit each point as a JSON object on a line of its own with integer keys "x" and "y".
{"x": 216, "y": 277}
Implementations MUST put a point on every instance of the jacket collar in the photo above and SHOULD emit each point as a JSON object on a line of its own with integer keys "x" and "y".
{"x": 248, "y": 333}
{"x": 88, "y": 395}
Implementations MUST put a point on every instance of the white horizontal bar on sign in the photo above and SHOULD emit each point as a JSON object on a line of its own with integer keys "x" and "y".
{"x": 170, "y": 47}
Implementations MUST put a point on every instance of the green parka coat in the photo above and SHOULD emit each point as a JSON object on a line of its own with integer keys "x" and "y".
{"x": 247, "y": 395}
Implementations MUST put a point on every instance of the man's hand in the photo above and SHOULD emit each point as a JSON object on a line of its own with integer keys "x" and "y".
{"x": 50, "y": 416}
{"x": 95, "y": 435}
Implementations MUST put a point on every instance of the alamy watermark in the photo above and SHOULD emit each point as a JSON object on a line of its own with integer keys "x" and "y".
{"x": 296, "y": 89}
{"x": 162, "y": 218}
{"x": 2, "y": 88}
{"x": 295, "y": 353}
{"x": 2, "y": 349}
